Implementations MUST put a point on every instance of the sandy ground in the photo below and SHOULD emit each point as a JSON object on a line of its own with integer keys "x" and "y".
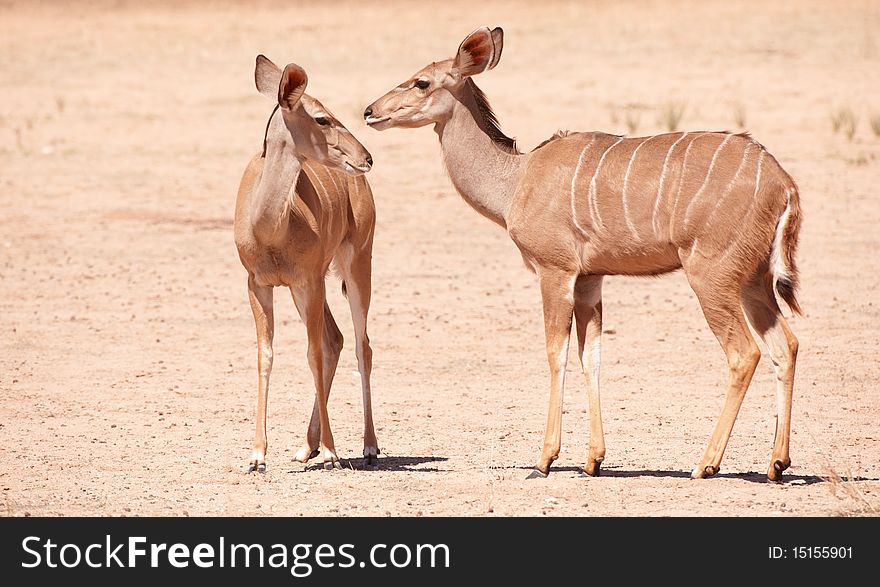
{"x": 128, "y": 354}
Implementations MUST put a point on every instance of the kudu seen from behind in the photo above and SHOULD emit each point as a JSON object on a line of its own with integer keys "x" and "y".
{"x": 303, "y": 204}
{"x": 583, "y": 205}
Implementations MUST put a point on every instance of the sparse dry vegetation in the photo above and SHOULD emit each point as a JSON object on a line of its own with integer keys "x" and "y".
{"x": 739, "y": 115}
{"x": 633, "y": 117}
{"x": 671, "y": 115}
{"x": 875, "y": 125}
{"x": 847, "y": 488}
{"x": 844, "y": 120}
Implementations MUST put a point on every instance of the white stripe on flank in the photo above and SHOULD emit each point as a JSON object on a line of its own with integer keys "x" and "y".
{"x": 632, "y": 159}
{"x": 659, "y": 196}
{"x": 687, "y": 212}
{"x": 758, "y": 175}
{"x": 577, "y": 170}
{"x": 733, "y": 181}
{"x": 732, "y": 246}
{"x": 591, "y": 198}
{"x": 680, "y": 185}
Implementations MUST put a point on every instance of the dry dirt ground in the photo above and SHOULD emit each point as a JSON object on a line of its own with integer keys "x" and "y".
{"x": 128, "y": 353}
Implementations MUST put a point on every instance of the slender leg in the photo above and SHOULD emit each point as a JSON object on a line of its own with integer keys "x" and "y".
{"x": 356, "y": 271}
{"x": 725, "y": 317}
{"x": 261, "y": 305}
{"x": 332, "y": 347}
{"x": 557, "y": 294}
{"x": 310, "y": 300}
{"x": 588, "y": 323}
{"x": 766, "y": 318}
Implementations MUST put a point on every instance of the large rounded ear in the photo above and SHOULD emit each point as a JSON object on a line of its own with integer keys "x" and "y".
{"x": 498, "y": 40}
{"x": 267, "y": 76}
{"x": 293, "y": 84}
{"x": 478, "y": 52}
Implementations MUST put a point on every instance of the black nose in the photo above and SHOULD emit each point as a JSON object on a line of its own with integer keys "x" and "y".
{"x": 369, "y": 160}
{"x": 368, "y": 112}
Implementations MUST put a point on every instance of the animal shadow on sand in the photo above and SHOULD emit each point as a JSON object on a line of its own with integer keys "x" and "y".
{"x": 750, "y": 476}
{"x": 389, "y": 463}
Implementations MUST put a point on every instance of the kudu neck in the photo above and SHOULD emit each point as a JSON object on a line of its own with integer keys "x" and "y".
{"x": 273, "y": 199}
{"x": 484, "y": 169}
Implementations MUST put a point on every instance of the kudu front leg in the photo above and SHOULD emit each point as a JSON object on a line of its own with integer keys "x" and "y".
{"x": 588, "y": 323}
{"x": 310, "y": 301}
{"x": 557, "y": 295}
{"x": 261, "y": 304}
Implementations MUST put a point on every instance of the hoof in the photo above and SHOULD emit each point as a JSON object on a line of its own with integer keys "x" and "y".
{"x": 257, "y": 467}
{"x": 370, "y": 462}
{"x": 303, "y": 455}
{"x": 537, "y": 474}
{"x": 592, "y": 468}
{"x": 705, "y": 472}
{"x": 330, "y": 465}
{"x": 776, "y": 468}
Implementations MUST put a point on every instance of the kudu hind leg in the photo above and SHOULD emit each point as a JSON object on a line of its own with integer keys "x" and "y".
{"x": 557, "y": 294}
{"x": 261, "y": 300}
{"x": 332, "y": 348}
{"x": 356, "y": 271}
{"x": 766, "y": 318}
{"x": 588, "y": 323}
{"x": 310, "y": 301}
{"x": 724, "y": 315}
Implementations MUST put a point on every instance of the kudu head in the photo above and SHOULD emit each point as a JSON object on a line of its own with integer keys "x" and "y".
{"x": 430, "y": 95}
{"x": 315, "y": 133}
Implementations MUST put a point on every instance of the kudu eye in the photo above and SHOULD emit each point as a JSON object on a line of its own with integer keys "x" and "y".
{"x": 422, "y": 84}
{"x": 322, "y": 120}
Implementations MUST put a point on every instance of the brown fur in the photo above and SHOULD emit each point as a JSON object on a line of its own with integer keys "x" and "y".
{"x": 304, "y": 203}
{"x": 588, "y": 204}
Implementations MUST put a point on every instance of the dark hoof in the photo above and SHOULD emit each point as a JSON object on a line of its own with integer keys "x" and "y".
{"x": 371, "y": 462}
{"x": 710, "y": 470}
{"x": 592, "y": 469}
{"x": 774, "y": 475}
{"x": 254, "y": 467}
{"x": 537, "y": 474}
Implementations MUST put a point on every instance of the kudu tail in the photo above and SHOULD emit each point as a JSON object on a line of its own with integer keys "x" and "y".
{"x": 782, "y": 255}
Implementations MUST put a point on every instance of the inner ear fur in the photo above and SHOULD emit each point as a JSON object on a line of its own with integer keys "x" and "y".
{"x": 477, "y": 53}
{"x": 293, "y": 84}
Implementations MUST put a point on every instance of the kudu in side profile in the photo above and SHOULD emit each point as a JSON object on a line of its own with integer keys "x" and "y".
{"x": 584, "y": 205}
{"x": 302, "y": 204}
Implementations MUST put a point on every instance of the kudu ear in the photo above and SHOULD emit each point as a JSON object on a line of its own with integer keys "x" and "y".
{"x": 293, "y": 84}
{"x": 498, "y": 40}
{"x": 267, "y": 77}
{"x": 479, "y": 52}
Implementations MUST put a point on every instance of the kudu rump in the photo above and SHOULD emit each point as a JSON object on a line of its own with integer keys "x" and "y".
{"x": 302, "y": 204}
{"x": 584, "y": 205}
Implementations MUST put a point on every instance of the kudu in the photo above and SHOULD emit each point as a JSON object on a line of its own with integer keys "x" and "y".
{"x": 303, "y": 204}
{"x": 584, "y": 205}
